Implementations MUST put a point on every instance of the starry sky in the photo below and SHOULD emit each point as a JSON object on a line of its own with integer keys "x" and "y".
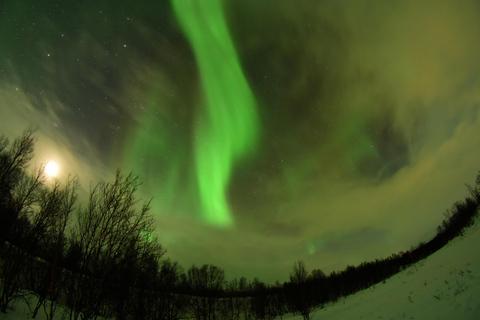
{"x": 330, "y": 131}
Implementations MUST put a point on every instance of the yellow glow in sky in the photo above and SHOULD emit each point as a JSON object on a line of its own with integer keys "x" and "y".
{"x": 51, "y": 169}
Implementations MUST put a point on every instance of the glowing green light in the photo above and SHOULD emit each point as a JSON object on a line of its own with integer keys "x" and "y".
{"x": 147, "y": 236}
{"x": 228, "y": 126}
{"x": 158, "y": 151}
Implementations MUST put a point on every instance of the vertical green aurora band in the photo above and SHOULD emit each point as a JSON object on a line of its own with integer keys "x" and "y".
{"x": 227, "y": 129}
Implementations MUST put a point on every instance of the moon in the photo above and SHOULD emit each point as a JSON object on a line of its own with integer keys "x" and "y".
{"x": 51, "y": 169}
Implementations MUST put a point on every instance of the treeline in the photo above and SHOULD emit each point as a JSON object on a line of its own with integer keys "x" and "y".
{"x": 104, "y": 260}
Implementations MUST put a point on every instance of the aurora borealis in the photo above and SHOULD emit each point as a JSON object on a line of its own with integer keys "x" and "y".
{"x": 265, "y": 131}
{"x": 230, "y": 128}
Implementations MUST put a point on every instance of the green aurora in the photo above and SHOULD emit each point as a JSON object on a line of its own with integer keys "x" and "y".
{"x": 226, "y": 126}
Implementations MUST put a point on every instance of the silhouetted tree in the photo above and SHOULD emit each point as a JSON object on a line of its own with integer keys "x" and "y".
{"x": 259, "y": 300}
{"x": 244, "y": 288}
{"x": 275, "y": 304}
{"x": 22, "y": 233}
{"x": 168, "y": 304}
{"x": 55, "y": 204}
{"x": 22, "y": 223}
{"x": 18, "y": 190}
{"x": 145, "y": 267}
{"x": 230, "y": 303}
{"x": 106, "y": 229}
{"x": 206, "y": 285}
{"x": 298, "y": 295}
{"x": 279, "y": 302}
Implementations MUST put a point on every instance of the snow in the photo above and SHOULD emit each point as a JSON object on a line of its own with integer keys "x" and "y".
{"x": 446, "y": 285}
{"x": 21, "y": 311}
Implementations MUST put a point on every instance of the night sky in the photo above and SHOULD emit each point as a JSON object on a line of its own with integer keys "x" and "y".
{"x": 266, "y": 131}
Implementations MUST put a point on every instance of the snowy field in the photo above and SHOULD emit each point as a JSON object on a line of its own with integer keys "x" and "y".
{"x": 444, "y": 286}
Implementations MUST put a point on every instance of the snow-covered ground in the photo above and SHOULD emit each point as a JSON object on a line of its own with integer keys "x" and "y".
{"x": 22, "y": 312}
{"x": 444, "y": 286}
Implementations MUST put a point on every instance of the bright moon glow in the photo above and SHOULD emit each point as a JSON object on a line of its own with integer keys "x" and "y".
{"x": 51, "y": 169}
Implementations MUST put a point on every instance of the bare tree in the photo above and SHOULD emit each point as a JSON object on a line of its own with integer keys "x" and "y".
{"x": 24, "y": 223}
{"x": 299, "y": 274}
{"x": 245, "y": 301}
{"x": 43, "y": 268}
{"x": 206, "y": 284}
{"x": 297, "y": 292}
{"x": 110, "y": 225}
{"x": 259, "y": 299}
{"x": 168, "y": 304}
{"x": 230, "y": 304}
{"x": 17, "y": 189}
{"x": 14, "y": 160}
{"x": 58, "y": 205}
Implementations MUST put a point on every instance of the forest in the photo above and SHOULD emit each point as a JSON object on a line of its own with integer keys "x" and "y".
{"x": 102, "y": 259}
